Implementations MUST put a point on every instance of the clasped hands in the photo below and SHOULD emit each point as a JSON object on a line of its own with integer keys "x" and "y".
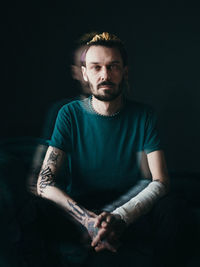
{"x": 107, "y": 229}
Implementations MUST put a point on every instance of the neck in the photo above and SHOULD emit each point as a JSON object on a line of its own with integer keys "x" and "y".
{"x": 107, "y": 108}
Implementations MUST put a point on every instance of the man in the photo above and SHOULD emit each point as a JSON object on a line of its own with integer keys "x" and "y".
{"x": 101, "y": 140}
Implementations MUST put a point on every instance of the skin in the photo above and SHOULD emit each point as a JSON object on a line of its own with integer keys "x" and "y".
{"x": 77, "y": 72}
{"x": 46, "y": 188}
{"x": 105, "y": 73}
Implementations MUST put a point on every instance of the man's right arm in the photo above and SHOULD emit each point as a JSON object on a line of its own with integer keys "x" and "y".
{"x": 46, "y": 188}
{"x": 51, "y": 165}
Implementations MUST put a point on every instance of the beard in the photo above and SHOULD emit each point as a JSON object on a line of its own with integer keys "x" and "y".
{"x": 108, "y": 95}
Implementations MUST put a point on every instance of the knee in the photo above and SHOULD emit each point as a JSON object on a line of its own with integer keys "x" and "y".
{"x": 173, "y": 213}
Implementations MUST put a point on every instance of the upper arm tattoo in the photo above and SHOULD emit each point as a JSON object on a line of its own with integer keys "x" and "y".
{"x": 47, "y": 178}
{"x": 50, "y": 167}
{"x": 53, "y": 157}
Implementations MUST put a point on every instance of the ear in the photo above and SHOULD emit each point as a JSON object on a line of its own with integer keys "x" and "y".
{"x": 84, "y": 73}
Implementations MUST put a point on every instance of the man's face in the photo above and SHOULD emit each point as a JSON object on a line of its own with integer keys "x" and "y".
{"x": 105, "y": 72}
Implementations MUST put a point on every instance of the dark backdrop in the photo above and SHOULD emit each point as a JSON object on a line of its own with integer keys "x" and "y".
{"x": 163, "y": 42}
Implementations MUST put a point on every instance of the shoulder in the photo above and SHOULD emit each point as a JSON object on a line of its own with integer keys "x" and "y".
{"x": 74, "y": 106}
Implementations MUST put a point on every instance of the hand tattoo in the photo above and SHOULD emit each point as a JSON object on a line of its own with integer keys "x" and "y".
{"x": 92, "y": 230}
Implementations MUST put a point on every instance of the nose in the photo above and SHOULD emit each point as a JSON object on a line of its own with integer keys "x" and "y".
{"x": 105, "y": 74}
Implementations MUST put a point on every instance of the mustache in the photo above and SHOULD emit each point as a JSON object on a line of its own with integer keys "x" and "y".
{"x": 105, "y": 83}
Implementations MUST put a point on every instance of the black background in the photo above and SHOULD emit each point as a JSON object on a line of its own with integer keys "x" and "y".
{"x": 163, "y": 43}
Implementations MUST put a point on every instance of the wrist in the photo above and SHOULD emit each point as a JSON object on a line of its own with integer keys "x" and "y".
{"x": 88, "y": 218}
{"x": 79, "y": 213}
{"x": 118, "y": 216}
{"x": 85, "y": 222}
{"x": 141, "y": 203}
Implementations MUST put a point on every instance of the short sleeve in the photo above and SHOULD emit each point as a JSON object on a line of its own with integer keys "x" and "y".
{"x": 61, "y": 137}
{"x": 151, "y": 138}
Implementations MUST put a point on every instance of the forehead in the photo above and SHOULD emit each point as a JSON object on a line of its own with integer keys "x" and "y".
{"x": 102, "y": 55}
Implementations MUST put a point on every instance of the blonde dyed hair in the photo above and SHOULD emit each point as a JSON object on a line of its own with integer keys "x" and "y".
{"x": 104, "y": 37}
{"x": 108, "y": 40}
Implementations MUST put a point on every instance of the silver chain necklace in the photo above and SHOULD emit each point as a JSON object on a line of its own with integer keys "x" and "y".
{"x": 113, "y": 115}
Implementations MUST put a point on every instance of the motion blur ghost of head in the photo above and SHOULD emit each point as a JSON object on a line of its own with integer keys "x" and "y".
{"x": 105, "y": 66}
{"x": 78, "y": 62}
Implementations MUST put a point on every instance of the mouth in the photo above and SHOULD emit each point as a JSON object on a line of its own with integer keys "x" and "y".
{"x": 106, "y": 87}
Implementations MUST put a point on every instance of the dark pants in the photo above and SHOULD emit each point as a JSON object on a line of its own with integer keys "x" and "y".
{"x": 163, "y": 237}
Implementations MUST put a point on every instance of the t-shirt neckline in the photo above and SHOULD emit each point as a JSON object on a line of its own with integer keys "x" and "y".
{"x": 116, "y": 114}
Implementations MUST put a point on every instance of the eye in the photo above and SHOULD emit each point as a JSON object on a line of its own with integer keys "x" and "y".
{"x": 95, "y": 68}
{"x": 113, "y": 67}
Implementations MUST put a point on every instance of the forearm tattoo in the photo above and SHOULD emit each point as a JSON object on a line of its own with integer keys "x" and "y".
{"x": 77, "y": 212}
{"x": 47, "y": 179}
{"x": 83, "y": 217}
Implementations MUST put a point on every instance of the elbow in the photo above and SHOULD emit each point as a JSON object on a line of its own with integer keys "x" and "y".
{"x": 165, "y": 181}
{"x": 166, "y": 187}
{"x": 44, "y": 188}
{"x": 40, "y": 191}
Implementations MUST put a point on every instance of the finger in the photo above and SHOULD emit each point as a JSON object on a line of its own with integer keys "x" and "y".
{"x": 98, "y": 221}
{"x": 100, "y": 236}
{"x": 108, "y": 246}
{"x": 104, "y": 224}
{"x": 108, "y": 221}
{"x": 110, "y": 218}
{"x": 100, "y": 218}
{"x": 100, "y": 247}
{"x": 105, "y": 245}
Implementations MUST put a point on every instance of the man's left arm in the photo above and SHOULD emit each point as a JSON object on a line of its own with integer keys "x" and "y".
{"x": 158, "y": 168}
{"x": 144, "y": 201}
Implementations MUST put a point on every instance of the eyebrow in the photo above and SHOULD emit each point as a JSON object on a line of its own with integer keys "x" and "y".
{"x": 112, "y": 62}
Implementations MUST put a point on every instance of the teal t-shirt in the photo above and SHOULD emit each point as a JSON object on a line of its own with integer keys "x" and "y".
{"x": 104, "y": 151}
